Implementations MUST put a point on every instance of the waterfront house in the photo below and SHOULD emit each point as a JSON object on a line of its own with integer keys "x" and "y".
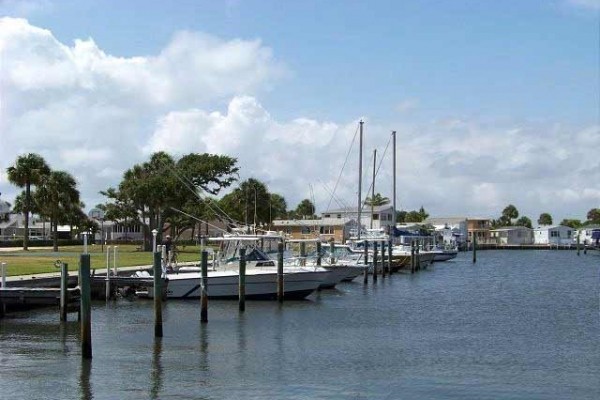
{"x": 512, "y": 235}
{"x": 479, "y": 228}
{"x": 382, "y": 217}
{"x": 331, "y": 228}
{"x": 452, "y": 230}
{"x": 553, "y": 235}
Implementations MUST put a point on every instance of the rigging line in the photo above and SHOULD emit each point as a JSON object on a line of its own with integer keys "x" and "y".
{"x": 192, "y": 188}
{"x": 338, "y": 201}
{"x": 198, "y": 219}
{"x": 343, "y": 166}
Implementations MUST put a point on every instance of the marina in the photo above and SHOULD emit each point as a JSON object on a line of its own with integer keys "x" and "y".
{"x": 518, "y": 324}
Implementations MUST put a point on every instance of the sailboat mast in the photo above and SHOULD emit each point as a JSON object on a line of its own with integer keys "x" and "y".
{"x": 373, "y": 186}
{"x": 394, "y": 182}
{"x": 360, "y": 146}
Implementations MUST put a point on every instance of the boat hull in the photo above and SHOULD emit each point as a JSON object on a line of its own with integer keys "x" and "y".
{"x": 259, "y": 285}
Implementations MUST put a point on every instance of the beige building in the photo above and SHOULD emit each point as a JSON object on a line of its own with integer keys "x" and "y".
{"x": 336, "y": 229}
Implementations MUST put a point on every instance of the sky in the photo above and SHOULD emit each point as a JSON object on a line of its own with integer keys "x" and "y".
{"x": 494, "y": 103}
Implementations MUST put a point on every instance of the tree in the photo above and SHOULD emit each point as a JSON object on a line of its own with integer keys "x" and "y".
{"x": 377, "y": 200}
{"x": 509, "y": 213}
{"x": 401, "y": 216}
{"x": 149, "y": 192}
{"x": 413, "y": 216}
{"x": 58, "y": 199}
{"x": 305, "y": 209}
{"x": 545, "y": 219}
{"x": 593, "y": 216}
{"x": 423, "y": 213}
{"x": 573, "y": 223}
{"x": 28, "y": 170}
{"x": 277, "y": 207}
{"x": 524, "y": 221}
{"x": 249, "y": 203}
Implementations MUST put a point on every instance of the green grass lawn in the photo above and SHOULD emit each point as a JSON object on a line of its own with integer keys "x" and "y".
{"x": 37, "y": 261}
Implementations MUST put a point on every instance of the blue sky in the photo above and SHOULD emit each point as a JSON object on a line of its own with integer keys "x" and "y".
{"x": 437, "y": 71}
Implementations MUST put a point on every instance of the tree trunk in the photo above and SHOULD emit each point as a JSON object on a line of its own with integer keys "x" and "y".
{"x": 26, "y": 212}
{"x": 55, "y": 233}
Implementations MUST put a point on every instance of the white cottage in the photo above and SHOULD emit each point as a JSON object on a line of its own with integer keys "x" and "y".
{"x": 553, "y": 234}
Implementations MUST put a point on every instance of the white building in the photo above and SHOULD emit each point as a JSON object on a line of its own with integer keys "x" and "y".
{"x": 553, "y": 234}
{"x": 453, "y": 230}
{"x": 381, "y": 218}
{"x": 516, "y": 235}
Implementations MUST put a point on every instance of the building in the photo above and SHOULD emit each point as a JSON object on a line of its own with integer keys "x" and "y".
{"x": 512, "y": 235}
{"x": 479, "y": 228}
{"x": 325, "y": 229}
{"x": 382, "y": 217}
{"x": 451, "y": 230}
{"x": 553, "y": 235}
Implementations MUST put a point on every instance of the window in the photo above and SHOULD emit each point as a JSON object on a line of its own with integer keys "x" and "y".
{"x": 339, "y": 216}
{"x": 326, "y": 215}
{"x": 305, "y": 230}
{"x": 375, "y": 217}
{"x": 554, "y": 234}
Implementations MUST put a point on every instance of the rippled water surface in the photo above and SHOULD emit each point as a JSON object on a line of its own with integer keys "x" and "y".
{"x": 516, "y": 325}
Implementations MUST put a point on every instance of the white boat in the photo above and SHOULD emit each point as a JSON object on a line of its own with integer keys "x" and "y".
{"x": 440, "y": 254}
{"x": 260, "y": 284}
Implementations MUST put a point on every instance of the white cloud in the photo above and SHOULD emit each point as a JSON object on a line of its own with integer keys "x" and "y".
{"x": 96, "y": 115}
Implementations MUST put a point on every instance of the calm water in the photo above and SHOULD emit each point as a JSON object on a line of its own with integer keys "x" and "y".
{"x": 517, "y": 325}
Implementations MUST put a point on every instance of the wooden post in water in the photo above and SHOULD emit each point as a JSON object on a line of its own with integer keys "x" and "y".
{"x": 204, "y": 288}
{"x": 474, "y": 248}
{"x": 157, "y": 273}
{"x": 3, "y": 284}
{"x": 332, "y": 252}
{"x": 577, "y": 244}
{"x": 390, "y": 256}
{"x": 302, "y": 253}
{"x": 85, "y": 306}
{"x": 413, "y": 264}
{"x": 280, "y": 272}
{"x": 318, "y": 254}
{"x": 242, "y": 285}
{"x": 383, "y": 263}
{"x": 64, "y": 282}
{"x": 366, "y": 248}
{"x": 418, "y": 255}
{"x": 375, "y": 260}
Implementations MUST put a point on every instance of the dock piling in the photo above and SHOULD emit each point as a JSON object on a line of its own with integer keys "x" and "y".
{"x": 383, "y": 263}
{"x": 318, "y": 254}
{"x": 157, "y": 273}
{"x": 3, "y": 284}
{"x": 578, "y": 243}
{"x": 413, "y": 263}
{"x": 64, "y": 282}
{"x": 474, "y": 248}
{"x": 366, "y": 248}
{"x": 280, "y": 272}
{"x": 332, "y": 252}
{"x": 375, "y": 261}
{"x": 204, "y": 288}
{"x": 242, "y": 281}
{"x": 390, "y": 257}
{"x": 85, "y": 306}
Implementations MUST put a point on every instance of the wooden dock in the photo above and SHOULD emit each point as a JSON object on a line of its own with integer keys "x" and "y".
{"x": 36, "y": 296}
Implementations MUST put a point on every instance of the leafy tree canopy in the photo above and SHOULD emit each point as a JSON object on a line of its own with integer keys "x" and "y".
{"x": 524, "y": 221}
{"x": 377, "y": 200}
{"x": 149, "y": 192}
{"x": 545, "y": 219}
{"x": 593, "y": 216}
{"x": 573, "y": 223}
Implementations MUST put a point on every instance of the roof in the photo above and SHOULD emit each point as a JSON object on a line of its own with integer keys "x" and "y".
{"x": 511, "y": 228}
{"x": 548, "y": 227}
{"x": 353, "y": 210}
{"x": 310, "y": 222}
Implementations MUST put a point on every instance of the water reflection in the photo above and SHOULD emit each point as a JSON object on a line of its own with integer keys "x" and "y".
{"x": 242, "y": 342}
{"x": 156, "y": 374}
{"x": 84, "y": 380}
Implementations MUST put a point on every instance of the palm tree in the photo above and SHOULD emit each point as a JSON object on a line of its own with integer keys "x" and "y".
{"x": 378, "y": 200}
{"x": 59, "y": 200}
{"x": 28, "y": 170}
